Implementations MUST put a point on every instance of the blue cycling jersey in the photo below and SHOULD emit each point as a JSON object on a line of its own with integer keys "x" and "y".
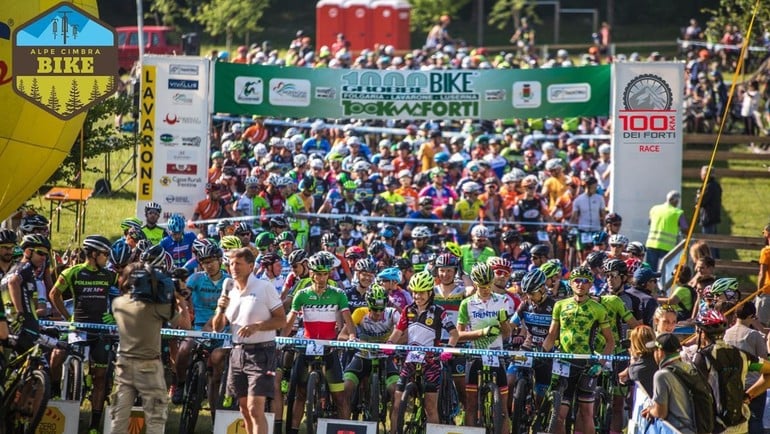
{"x": 204, "y": 295}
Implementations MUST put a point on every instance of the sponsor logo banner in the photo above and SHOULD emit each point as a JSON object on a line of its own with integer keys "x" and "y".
{"x": 175, "y": 83}
{"x": 451, "y": 94}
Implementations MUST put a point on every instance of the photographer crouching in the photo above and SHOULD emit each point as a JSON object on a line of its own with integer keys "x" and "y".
{"x": 150, "y": 298}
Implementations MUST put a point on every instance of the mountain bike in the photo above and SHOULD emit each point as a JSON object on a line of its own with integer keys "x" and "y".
{"x": 195, "y": 386}
{"x": 490, "y": 401}
{"x": 318, "y": 401}
{"x": 411, "y": 417}
{"x": 372, "y": 404}
{"x": 524, "y": 398}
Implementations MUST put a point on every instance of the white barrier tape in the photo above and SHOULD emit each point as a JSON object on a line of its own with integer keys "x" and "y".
{"x": 176, "y": 333}
{"x": 716, "y": 46}
{"x": 461, "y": 351}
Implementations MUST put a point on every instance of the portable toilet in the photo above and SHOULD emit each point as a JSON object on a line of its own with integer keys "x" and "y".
{"x": 329, "y": 20}
{"x": 403, "y": 32}
{"x": 358, "y": 24}
{"x": 384, "y": 22}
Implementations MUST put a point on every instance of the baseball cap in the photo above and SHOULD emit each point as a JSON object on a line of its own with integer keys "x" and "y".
{"x": 643, "y": 275}
{"x": 668, "y": 342}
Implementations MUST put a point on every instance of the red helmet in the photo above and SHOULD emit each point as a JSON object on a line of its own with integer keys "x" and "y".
{"x": 711, "y": 321}
{"x": 355, "y": 252}
{"x": 633, "y": 264}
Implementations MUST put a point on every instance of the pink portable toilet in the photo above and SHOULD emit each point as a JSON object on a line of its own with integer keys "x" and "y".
{"x": 358, "y": 24}
{"x": 403, "y": 33}
{"x": 329, "y": 20}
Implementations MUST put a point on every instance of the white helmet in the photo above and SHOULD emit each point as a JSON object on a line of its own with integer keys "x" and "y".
{"x": 619, "y": 239}
{"x": 297, "y": 139}
{"x": 480, "y": 231}
{"x": 385, "y": 143}
{"x": 300, "y": 160}
{"x": 471, "y": 187}
{"x": 421, "y": 232}
{"x": 553, "y": 163}
{"x": 361, "y": 165}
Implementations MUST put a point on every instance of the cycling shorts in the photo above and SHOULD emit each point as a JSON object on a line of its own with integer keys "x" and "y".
{"x": 579, "y": 384}
{"x": 360, "y": 368}
{"x": 431, "y": 371}
{"x": 333, "y": 370}
{"x": 474, "y": 369}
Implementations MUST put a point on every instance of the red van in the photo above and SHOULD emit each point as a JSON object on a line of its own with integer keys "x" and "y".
{"x": 157, "y": 40}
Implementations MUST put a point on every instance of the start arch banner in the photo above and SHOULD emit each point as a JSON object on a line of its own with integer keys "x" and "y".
{"x": 407, "y": 94}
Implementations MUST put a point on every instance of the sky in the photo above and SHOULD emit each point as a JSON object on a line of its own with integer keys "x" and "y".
{"x": 40, "y": 33}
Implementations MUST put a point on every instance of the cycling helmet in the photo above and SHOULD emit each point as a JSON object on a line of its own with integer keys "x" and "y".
{"x": 482, "y": 274}
{"x": 551, "y": 268}
{"x": 498, "y": 263}
{"x": 392, "y": 274}
{"x": 422, "y": 282}
{"x": 480, "y": 231}
{"x": 300, "y": 160}
{"x": 153, "y": 256}
{"x": 269, "y": 258}
{"x": 349, "y": 185}
{"x": 130, "y": 222}
{"x": 376, "y": 247}
{"x": 251, "y": 180}
{"x": 600, "y": 238}
{"x": 361, "y": 166}
{"x": 307, "y": 183}
{"x": 553, "y": 163}
{"x": 8, "y": 236}
{"x": 511, "y": 236}
{"x": 533, "y": 281}
{"x": 35, "y": 240}
{"x": 278, "y": 222}
{"x": 175, "y": 223}
{"x": 454, "y": 249}
{"x": 33, "y": 223}
{"x": 96, "y": 243}
{"x": 403, "y": 264}
{"x": 319, "y": 263}
{"x": 517, "y": 174}
{"x": 529, "y": 181}
{"x": 724, "y": 285}
{"x": 120, "y": 253}
{"x": 420, "y": 232}
{"x": 210, "y": 251}
{"x": 517, "y": 276}
{"x": 230, "y": 242}
{"x": 297, "y": 256}
{"x": 540, "y": 250}
{"x": 711, "y": 322}
{"x": 222, "y": 225}
{"x": 143, "y": 245}
{"x": 152, "y": 206}
{"x": 376, "y": 297}
{"x": 633, "y": 264}
{"x": 581, "y": 272}
{"x": 389, "y": 232}
{"x": 285, "y": 236}
{"x": 636, "y": 248}
{"x": 618, "y": 240}
{"x": 441, "y": 157}
{"x": 614, "y": 265}
{"x": 264, "y": 240}
{"x": 596, "y": 259}
{"x": 136, "y": 234}
{"x": 355, "y": 253}
{"x": 199, "y": 244}
{"x": 471, "y": 187}
{"x": 613, "y": 218}
{"x": 366, "y": 265}
{"x": 447, "y": 260}
{"x": 329, "y": 239}
{"x": 241, "y": 228}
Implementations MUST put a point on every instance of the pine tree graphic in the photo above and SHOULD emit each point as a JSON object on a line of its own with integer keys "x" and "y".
{"x": 110, "y": 84}
{"x": 34, "y": 92}
{"x": 94, "y": 92}
{"x": 53, "y": 100}
{"x": 22, "y": 88}
{"x": 73, "y": 103}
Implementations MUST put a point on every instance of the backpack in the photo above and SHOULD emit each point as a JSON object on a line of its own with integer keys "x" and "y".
{"x": 727, "y": 364}
{"x": 696, "y": 386}
{"x": 685, "y": 313}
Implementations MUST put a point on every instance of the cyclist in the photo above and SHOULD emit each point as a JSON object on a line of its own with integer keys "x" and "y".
{"x": 319, "y": 304}
{"x": 178, "y": 242}
{"x": 8, "y": 242}
{"x": 205, "y": 288}
{"x": 555, "y": 286}
{"x": 390, "y": 279}
{"x": 132, "y": 230}
{"x": 483, "y": 320}
{"x": 286, "y": 245}
{"x": 512, "y": 251}
{"x": 618, "y": 245}
{"x": 612, "y": 223}
{"x": 588, "y": 213}
{"x": 422, "y": 253}
{"x": 120, "y": 256}
{"x": 365, "y": 270}
{"x": 573, "y": 321}
{"x": 477, "y": 250}
{"x": 89, "y": 284}
{"x": 270, "y": 267}
{"x": 151, "y": 230}
{"x": 421, "y": 324}
{"x": 374, "y": 323}
{"x": 532, "y": 320}
{"x": 502, "y": 269}
{"x": 24, "y": 288}
{"x": 539, "y": 253}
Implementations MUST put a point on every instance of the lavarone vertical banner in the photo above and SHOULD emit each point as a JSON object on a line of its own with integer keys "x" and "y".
{"x": 646, "y": 140}
{"x": 174, "y": 127}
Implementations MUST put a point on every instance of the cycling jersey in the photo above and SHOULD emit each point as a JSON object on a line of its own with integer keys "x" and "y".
{"x": 277, "y": 282}
{"x": 204, "y": 294}
{"x": 472, "y": 256}
{"x": 356, "y": 300}
{"x": 181, "y": 251}
{"x": 450, "y": 303}
{"x": 561, "y": 291}
{"x": 424, "y": 328}
{"x": 617, "y": 314}
{"x": 319, "y": 312}
{"x": 537, "y": 319}
{"x": 369, "y": 330}
{"x": 520, "y": 263}
{"x": 32, "y": 289}
{"x": 478, "y": 314}
{"x": 399, "y": 299}
{"x": 90, "y": 289}
{"x": 579, "y": 323}
{"x": 420, "y": 258}
{"x": 154, "y": 234}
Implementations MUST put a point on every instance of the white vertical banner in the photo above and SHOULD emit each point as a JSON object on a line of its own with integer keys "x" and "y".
{"x": 646, "y": 107}
{"x": 174, "y": 127}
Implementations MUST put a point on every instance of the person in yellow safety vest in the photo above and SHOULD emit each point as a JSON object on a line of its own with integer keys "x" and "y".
{"x": 301, "y": 202}
{"x": 666, "y": 220}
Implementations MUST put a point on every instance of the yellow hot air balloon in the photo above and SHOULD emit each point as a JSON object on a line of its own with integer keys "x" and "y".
{"x": 33, "y": 143}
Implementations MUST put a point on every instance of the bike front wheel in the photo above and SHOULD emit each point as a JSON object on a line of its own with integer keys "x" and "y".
{"x": 195, "y": 391}
{"x": 519, "y": 416}
{"x": 73, "y": 389}
{"x": 548, "y": 414}
{"x": 491, "y": 406}
{"x": 28, "y": 403}
{"x": 313, "y": 405}
{"x": 411, "y": 411}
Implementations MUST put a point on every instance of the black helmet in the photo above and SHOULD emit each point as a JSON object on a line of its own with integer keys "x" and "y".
{"x": 540, "y": 250}
{"x": 269, "y": 258}
{"x": 297, "y": 256}
{"x": 532, "y": 281}
{"x": 613, "y": 218}
{"x": 612, "y": 265}
{"x": 596, "y": 259}
{"x": 96, "y": 243}
{"x": 518, "y": 276}
{"x": 8, "y": 236}
{"x": 366, "y": 265}
{"x": 35, "y": 240}
{"x": 510, "y": 236}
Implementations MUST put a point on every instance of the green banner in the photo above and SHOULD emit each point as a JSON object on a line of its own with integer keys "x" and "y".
{"x": 440, "y": 94}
